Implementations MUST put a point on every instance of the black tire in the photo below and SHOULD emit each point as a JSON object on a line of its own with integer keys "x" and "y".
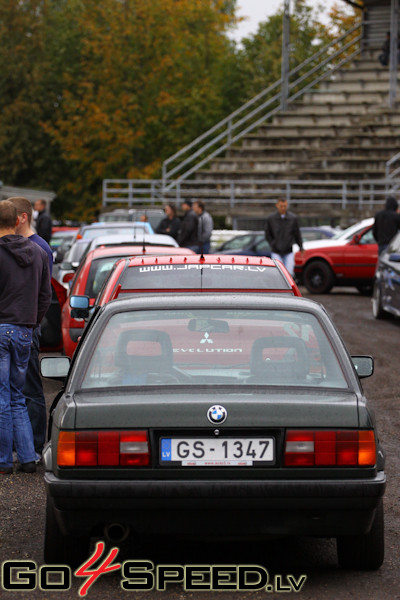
{"x": 60, "y": 548}
{"x": 364, "y": 552}
{"x": 377, "y": 309}
{"x": 318, "y": 277}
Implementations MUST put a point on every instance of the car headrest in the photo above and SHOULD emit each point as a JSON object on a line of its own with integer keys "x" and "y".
{"x": 291, "y": 359}
{"x": 155, "y": 354}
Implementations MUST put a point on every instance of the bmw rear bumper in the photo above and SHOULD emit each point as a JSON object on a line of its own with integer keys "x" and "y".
{"x": 206, "y": 508}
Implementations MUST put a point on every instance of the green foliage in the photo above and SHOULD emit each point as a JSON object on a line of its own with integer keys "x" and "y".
{"x": 261, "y": 54}
{"x": 92, "y": 90}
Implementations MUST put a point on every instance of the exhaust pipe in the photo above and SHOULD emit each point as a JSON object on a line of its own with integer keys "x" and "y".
{"x": 116, "y": 532}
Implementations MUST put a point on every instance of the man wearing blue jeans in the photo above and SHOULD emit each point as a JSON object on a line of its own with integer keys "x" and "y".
{"x": 25, "y": 295}
{"x": 33, "y": 388}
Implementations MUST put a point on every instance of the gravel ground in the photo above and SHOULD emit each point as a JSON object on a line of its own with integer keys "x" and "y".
{"x": 22, "y": 498}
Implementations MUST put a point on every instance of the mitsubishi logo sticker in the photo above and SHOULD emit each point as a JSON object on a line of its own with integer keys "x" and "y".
{"x": 206, "y": 339}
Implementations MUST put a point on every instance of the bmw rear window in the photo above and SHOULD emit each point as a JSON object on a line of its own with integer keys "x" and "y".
{"x": 214, "y": 347}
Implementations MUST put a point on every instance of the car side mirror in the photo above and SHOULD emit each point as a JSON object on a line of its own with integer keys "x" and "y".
{"x": 364, "y": 365}
{"x": 394, "y": 257}
{"x": 79, "y": 307}
{"x": 69, "y": 266}
{"x": 357, "y": 238}
{"x": 66, "y": 266}
{"x": 55, "y": 367}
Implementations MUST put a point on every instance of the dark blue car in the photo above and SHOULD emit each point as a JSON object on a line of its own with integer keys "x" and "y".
{"x": 386, "y": 294}
{"x": 253, "y": 243}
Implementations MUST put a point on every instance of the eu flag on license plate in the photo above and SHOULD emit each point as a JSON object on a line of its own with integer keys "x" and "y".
{"x": 166, "y": 449}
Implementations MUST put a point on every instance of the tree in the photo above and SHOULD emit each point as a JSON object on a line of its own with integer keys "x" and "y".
{"x": 149, "y": 81}
{"x": 92, "y": 90}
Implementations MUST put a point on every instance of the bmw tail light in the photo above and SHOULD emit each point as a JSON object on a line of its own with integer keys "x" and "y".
{"x": 103, "y": 449}
{"x": 134, "y": 449}
{"x": 314, "y": 448}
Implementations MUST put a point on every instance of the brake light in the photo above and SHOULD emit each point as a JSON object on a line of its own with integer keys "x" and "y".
{"x": 68, "y": 276}
{"x": 103, "y": 449}
{"x": 344, "y": 447}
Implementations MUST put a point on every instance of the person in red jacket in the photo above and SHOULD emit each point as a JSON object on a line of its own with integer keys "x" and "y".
{"x": 25, "y": 295}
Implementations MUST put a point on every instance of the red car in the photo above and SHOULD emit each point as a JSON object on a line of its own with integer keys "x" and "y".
{"x": 170, "y": 273}
{"x": 88, "y": 281}
{"x": 50, "y": 338}
{"x": 349, "y": 258}
{"x": 207, "y": 273}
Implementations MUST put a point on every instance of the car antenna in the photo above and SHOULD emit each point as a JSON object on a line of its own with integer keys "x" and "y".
{"x": 144, "y": 242}
{"x": 201, "y": 241}
{"x": 144, "y": 232}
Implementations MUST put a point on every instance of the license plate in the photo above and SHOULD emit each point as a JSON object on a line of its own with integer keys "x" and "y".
{"x": 210, "y": 452}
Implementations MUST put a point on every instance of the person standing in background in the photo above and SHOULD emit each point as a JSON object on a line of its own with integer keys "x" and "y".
{"x": 33, "y": 388}
{"x": 205, "y": 227}
{"x": 25, "y": 296}
{"x": 43, "y": 222}
{"x": 187, "y": 236}
{"x": 282, "y": 231}
{"x": 386, "y": 224}
{"x": 170, "y": 224}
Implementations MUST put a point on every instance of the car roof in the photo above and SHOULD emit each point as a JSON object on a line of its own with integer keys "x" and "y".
{"x": 64, "y": 233}
{"x": 214, "y": 300}
{"x": 208, "y": 259}
{"x": 153, "y": 239}
{"x": 127, "y": 211}
{"x": 245, "y": 233}
{"x": 104, "y": 225}
{"x": 64, "y": 229}
{"x": 126, "y": 250}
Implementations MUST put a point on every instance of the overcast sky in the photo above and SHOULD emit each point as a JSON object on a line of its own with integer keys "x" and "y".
{"x": 260, "y": 10}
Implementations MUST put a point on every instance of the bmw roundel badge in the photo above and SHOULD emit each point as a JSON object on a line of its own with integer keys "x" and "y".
{"x": 217, "y": 414}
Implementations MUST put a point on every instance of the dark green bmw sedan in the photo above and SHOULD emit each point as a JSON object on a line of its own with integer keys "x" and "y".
{"x": 248, "y": 409}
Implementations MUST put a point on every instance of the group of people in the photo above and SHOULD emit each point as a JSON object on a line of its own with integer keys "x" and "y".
{"x": 26, "y": 264}
{"x": 193, "y": 231}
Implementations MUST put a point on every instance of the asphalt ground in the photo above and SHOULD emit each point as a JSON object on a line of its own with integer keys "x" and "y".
{"x": 22, "y": 503}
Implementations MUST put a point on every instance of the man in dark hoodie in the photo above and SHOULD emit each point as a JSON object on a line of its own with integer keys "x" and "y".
{"x": 25, "y": 295}
{"x": 387, "y": 224}
{"x": 33, "y": 388}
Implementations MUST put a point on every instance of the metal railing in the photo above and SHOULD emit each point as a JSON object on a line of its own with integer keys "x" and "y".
{"x": 228, "y": 196}
{"x": 261, "y": 108}
{"x": 393, "y": 172}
